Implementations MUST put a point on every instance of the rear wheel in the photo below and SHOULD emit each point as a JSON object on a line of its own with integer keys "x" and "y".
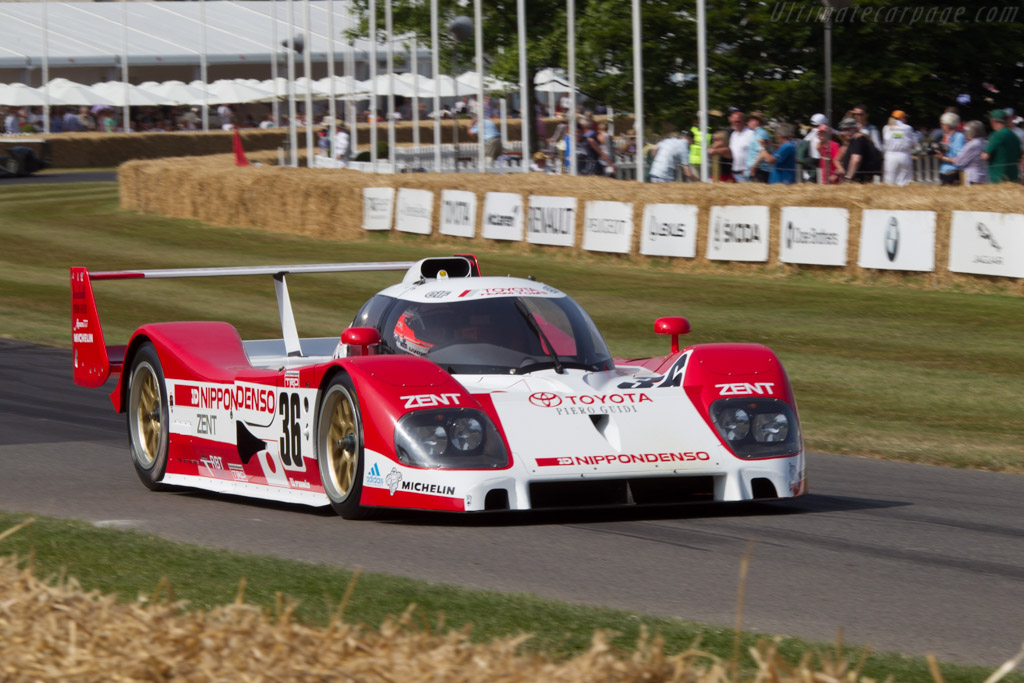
{"x": 340, "y": 448}
{"x": 148, "y": 417}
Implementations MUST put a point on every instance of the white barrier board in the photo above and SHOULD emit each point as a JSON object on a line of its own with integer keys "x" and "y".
{"x": 987, "y": 243}
{"x": 814, "y": 235}
{"x": 378, "y": 206}
{"x": 897, "y": 240}
{"x": 608, "y": 226}
{"x": 414, "y": 211}
{"x": 738, "y": 233}
{"x": 458, "y": 213}
{"x": 503, "y": 216}
{"x": 669, "y": 230}
{"x": 551, "y": 220}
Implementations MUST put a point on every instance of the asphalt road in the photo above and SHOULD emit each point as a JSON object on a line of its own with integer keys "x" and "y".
{"x": 911, "y": 558}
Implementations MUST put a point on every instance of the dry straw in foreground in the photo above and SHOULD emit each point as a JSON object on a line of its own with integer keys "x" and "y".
{"x": 54, "y": 631}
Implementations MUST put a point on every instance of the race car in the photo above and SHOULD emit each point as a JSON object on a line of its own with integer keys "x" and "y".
{"x": 450, "y": 391}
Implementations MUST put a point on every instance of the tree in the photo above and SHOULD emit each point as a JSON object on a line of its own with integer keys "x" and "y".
{"x": 914, "y": 55}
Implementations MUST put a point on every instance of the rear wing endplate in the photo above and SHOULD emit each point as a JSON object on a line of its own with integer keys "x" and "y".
{"x": 94, "y": 361}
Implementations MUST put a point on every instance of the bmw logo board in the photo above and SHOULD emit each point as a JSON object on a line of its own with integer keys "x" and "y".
{"x": 897, "y": 240}
{"x": 892, "y": 238}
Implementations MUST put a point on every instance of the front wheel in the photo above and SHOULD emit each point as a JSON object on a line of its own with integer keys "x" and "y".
{"x": 340, "y": 448}
{"x": 148, "y": 417}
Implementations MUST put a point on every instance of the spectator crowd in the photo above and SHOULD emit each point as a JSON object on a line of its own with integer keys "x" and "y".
{"x": 750, "y": 149}
{"x": 754, "y": 150}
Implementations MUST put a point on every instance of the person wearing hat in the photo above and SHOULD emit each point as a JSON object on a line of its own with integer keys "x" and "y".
{"x": 540, "y": 163}
{"x": 952, "y": 142}
{"x": 861, "y": 160}
{"x": 1003, "y": 150}
{"x": 758, "y": 171}
{"x": 898, "y": 139}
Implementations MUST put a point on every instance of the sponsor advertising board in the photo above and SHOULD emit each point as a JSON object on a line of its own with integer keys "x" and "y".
{"x": 551, "y": 220}
{"x": 503, "y": 216}
{"x": 814, "y": 235}
{"x": 897, "y": 240}
{"x": 669, "y": 230}
{"x": 987, "y": 243}
{"x": 738, "y": 233}
{"x": 414, "y": 211}
{"x": 458, "y": 213}
{"x": 608, "y": 226}
{"x": 378, "y": 205}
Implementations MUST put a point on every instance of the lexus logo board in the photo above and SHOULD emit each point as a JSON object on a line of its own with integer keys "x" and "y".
{"x": 414, "y": 211}
{"x": 378, "y": 204}
{"x": 738, "y": 233}
{"x": 814, "y": 235}
{"x": 987, "y": 243}
{"x": 897, "y": 240}
{"x": 608, "y": 226}
{"x": 458, "y": 213}
{"x": 503, "y": 216}
{"x": 669, "y": 230}
{"x": 552, "y": 221}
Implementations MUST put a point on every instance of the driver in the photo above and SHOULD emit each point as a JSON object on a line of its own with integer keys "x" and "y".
{"x": 421, "y": 327}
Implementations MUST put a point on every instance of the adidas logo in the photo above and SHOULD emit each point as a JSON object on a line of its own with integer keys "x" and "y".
{"x": 373, "y": 478}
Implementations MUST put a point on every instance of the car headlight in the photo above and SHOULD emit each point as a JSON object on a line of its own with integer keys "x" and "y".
{"x": 451, "y": 438}
{"x": 756, "y": 427}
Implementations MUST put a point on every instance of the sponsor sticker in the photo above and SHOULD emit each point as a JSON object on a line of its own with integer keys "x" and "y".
{"x": 430, "y": 400}
{"x": 745, "y": 388}
{"x": 291, "y": 379}
{"x": 225, "y": 397}
{"x": 373, "y": 477}
{"x": 589, "y": 404}
{"x": 624, "y": 459}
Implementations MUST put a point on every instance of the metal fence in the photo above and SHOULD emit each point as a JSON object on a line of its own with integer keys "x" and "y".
{"x": 421, "y": 159}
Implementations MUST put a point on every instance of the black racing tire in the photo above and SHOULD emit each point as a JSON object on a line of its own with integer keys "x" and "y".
{"x": 339, "y": 448}
{"x": 148, "y": 417}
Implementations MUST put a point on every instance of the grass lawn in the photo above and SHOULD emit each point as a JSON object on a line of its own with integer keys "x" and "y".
{"x": 889, "y": 372}
{"x": 130, "y": 564}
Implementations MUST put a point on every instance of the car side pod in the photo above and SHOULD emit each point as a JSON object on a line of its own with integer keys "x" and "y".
{"x": 363, "y": 337}
{"x": 674, "y": 326}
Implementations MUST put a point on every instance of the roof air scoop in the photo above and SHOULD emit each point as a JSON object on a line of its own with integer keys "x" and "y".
{"x": 441, "y": 268}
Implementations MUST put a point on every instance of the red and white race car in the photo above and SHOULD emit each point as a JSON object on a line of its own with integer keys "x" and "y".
{"x": 450, "y": 391}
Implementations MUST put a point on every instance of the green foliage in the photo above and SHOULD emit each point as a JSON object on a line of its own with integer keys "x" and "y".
{"x": 382, "y": 152}
{"x": 887, "y": 54}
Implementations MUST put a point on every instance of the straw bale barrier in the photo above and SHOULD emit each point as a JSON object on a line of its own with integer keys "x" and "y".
{"x": 328, "y": 204}
{"x": 55, "y": 631}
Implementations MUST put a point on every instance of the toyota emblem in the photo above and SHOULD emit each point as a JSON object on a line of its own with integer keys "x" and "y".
{"x": 545, "y": 399}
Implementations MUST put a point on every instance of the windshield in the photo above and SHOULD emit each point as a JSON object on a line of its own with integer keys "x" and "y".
{"x": 493, "y": 335}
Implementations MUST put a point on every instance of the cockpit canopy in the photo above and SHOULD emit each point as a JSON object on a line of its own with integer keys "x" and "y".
{"x": 492, "y": 335}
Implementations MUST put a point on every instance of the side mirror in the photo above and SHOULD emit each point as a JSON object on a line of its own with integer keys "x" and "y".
{"x": 363, "y": 337}
{"x": 675, "y": 327}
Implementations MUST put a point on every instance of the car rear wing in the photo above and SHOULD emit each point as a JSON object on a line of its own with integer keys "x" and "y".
{"x": 94, "y": 361}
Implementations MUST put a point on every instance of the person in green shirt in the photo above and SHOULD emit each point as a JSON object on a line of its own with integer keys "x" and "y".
{"x": 1003, "y": 150}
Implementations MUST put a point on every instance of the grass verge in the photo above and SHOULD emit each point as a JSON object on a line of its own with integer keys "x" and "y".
{"x": 130, "y": 564}
{"x": 921, "y": 376}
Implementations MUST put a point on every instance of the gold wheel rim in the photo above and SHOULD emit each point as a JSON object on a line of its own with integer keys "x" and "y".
{"x": 342, "y": 442}
{"x": 148, "y": 418}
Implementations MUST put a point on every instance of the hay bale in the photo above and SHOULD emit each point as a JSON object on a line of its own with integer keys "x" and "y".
{"x": 327, "y": 204}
